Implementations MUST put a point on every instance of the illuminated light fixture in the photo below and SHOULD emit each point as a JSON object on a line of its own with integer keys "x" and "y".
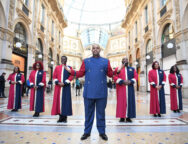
{"x": 148, "y": 57}
{"x": 52, "y": 62}
{"x": 170, "y": 45}
{"x": 40, "y": 56}
{"x": 17, "y": 45}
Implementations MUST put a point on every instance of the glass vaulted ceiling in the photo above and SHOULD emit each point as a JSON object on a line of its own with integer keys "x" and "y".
{"x": 93, "y": 20}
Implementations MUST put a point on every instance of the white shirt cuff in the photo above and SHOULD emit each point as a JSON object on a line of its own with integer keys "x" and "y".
{"x": 41, "y": 84}
{"x": 67, "y": 81}
{"x": 152, "y": 83}
{"x": 118, "y": 80}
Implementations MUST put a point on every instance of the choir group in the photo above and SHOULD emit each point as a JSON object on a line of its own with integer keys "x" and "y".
{"x": 96, "y": 69}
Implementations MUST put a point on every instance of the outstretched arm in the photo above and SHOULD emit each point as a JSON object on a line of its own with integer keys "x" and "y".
{"x": 79, "y": 73}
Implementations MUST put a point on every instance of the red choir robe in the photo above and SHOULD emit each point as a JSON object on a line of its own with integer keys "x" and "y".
{"x": 62, "y": 103}
{"x": 15, "y": 90}
{"x": 125, "y": 92}
{"x": 175, "y": 94}
{"x": 157, "y": 98}
{"x": 37, "y": 78}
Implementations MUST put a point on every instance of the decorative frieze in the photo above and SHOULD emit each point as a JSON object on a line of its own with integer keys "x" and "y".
{"x": 11, "y": 14}
{"x": 6, "y": 35}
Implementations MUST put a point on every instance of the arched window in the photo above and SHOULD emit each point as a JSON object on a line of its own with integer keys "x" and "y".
{"x": 21, "y": 37}
{"x": 149, "y": 46}
{"x": 168, "y": 33}
{"x": 39, "y": 50}
{"x": 20, "y": 33}
{"x": 50, "y": 56}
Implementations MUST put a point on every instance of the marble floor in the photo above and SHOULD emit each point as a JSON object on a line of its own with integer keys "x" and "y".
{"x": 21, "y": 128}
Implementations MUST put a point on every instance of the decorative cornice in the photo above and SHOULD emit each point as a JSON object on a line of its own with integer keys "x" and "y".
{"x": 137, "y": 44}
{"x": 167, "y": 15}
{"x": 40, "y": 33}
{"x": 21, "y": 14}
{"x": 59, "y": 13}
{"x": 131, "y": 11}
{"x": 147, "y": 34}
{"x": 6, "y": 34}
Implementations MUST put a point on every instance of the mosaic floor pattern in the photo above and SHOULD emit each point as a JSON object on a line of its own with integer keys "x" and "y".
{"x": 21, "y": 128}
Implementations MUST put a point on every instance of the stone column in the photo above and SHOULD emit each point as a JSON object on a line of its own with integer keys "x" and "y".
{"x": 143, "y": 84}
{"x": 182, "y": 57}
{"x": 30, "y": 59}
{"x": 6, "y": 41}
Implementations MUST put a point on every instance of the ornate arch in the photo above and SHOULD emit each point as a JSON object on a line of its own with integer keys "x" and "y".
{"x": 28, "y": 32}
{"x": 161, "y": 28}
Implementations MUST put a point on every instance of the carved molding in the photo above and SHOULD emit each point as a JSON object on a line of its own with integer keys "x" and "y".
{"x": 11, "y": 14}
{"x": 40, "y": 33}
{"x": 137, "y": 44}
{"x": 177, "y": 11}
{"x": 181, "y": 36}
{"x": 6, "y": 34}
{"x": 147, "y": 34}
{"x": 167, "y": 15}
{"x": 132, "y": 10}
{"x": 22, "y": 15}
{"x": 60, "y": 15}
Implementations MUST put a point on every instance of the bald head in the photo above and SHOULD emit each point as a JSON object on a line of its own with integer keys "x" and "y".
{"x": 96, "y": 50}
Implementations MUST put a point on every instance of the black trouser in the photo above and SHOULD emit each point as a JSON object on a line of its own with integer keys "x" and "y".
{"x": 2, "y": 94}
{"x": 77, "y": 91}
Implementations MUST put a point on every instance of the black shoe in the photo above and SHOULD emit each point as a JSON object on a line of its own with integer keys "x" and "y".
{"x": 159, "y": 115}
{"x": 85, "y": 136}
{"x": 122, "y": 120}
{"x": 128, "y": 120}
{"x": 36, "y": 114}
{"x": 155, "y": 115}
{"x": 14, "y": 110}
{"x": 104, "y": 137}
{"x": 178, "y": 111}
{"x": 62, "y": 119}
{"x": 174, "y": 111}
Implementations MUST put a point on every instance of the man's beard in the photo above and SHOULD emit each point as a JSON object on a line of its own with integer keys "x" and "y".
{"x": 126, "y": 64}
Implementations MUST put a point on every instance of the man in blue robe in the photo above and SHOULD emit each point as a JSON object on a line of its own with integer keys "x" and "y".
{"x": 95, "y": 70}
